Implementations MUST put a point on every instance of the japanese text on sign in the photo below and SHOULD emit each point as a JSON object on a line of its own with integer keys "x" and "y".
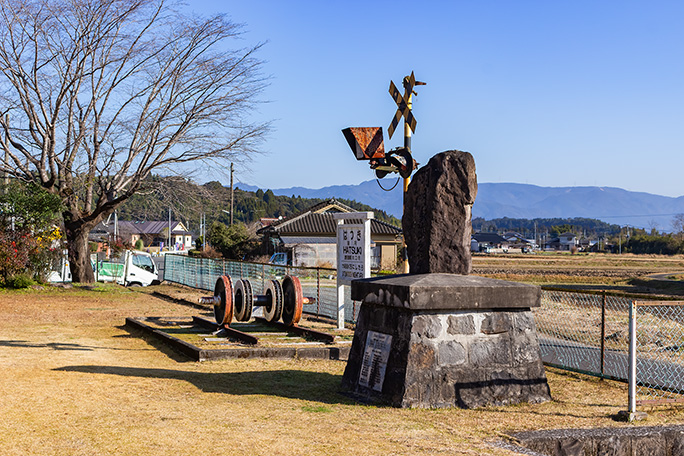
{"x": 351, "y": 250}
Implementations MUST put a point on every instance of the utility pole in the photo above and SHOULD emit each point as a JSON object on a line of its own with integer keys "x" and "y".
{"x": 204, "y": 236}
{"x": 232, "y": 194}
{"x": 620, "y": 241}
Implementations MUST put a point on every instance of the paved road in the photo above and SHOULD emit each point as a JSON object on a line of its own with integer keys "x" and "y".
{"x": 666, "y": 276}
{"x": 667, "y": 375}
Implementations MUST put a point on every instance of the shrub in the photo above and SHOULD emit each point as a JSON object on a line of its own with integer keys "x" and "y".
{"x": 119, "y": 246}
{"x": 209, "y": 252}
{"x": 21, "y": 280}
{"x": 29, "y": 239}
{"x": 233, "y": 241}
{"x": 15, "y": 248}
{"x": 46, "y": 253}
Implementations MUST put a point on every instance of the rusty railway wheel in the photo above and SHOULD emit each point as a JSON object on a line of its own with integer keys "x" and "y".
{"x": 223, "y": 310}
{"x": 293, "y": 300}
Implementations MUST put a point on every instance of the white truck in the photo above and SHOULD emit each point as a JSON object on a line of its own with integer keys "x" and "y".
{"x": 132, "y": 269}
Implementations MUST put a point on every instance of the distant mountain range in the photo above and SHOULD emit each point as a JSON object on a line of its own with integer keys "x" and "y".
{"x": 496, "y": 200}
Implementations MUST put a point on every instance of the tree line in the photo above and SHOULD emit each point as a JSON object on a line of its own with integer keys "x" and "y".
{"x": 583, "y": 227}
{"x": 614, "y": 238}
{"x": 188, "y": 201}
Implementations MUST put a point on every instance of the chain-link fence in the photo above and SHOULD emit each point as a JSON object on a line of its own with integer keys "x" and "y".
{"x": 590, "y": 333}
{"x": 582, "y": 332}
{"x": 318, "y": 283}
{"x": 659, "y": 351}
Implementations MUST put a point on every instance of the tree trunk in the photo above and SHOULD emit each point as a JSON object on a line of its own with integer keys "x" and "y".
{"x": 79, "y": 252}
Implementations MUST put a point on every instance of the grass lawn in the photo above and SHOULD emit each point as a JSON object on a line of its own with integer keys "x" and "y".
{"x": 74, "y": 382}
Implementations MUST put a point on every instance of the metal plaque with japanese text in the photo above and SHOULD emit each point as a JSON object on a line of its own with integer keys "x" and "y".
{"x": 375, "y": 358}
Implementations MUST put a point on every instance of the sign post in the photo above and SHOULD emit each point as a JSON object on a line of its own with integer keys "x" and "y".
{"x": 353, "y": 253}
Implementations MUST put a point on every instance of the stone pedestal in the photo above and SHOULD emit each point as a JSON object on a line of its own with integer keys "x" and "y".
{"x": 443, "y": 340}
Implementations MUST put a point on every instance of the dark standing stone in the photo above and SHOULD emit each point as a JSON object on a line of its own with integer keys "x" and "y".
{"x": 437, "y": 214}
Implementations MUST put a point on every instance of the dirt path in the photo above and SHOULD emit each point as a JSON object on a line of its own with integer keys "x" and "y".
{"x": 75, "y": 383}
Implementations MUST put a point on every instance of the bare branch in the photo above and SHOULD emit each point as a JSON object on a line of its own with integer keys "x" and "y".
{"x": 96, "y": 95}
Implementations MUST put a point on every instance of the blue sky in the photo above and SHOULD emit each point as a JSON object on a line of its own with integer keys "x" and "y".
{"x": 541, "y": 92}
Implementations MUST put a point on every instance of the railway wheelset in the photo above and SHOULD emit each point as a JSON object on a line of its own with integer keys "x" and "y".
{"x": 280, "y": 301}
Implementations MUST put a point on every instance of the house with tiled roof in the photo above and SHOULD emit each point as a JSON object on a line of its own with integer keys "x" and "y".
{"x": 488, "y": 242}
{"x": 152, "y": 233}
{"x": 311, "y": 237}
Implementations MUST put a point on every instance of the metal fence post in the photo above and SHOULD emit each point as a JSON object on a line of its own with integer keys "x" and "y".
{"x": 603, "y": 332}
{"x": 318, "y": 291}
{"x": 632, "y": 360}
{"x": 340, "y": 306}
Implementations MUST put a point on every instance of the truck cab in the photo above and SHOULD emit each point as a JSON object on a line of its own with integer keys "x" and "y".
{"x": 132, "y": 269}
{"x": 279, "y": 258}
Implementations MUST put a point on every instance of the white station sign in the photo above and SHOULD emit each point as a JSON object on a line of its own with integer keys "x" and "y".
{"x": 353, "y": 253}
{"x": 351, "y": 256}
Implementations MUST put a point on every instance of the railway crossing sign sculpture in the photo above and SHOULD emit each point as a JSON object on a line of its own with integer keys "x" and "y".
{"x": 367, "y": 142}
{"x": 403, "y": 104}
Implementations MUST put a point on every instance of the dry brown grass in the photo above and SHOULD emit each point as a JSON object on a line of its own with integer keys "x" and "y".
{"x": 75, "y": 383}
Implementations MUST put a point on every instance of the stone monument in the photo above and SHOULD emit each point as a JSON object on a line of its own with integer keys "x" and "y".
{"x": 438, "y": 337}
{"x": 437, "y": 214}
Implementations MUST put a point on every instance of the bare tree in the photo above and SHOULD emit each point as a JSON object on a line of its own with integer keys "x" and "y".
{"x": 96, "y": 94}
{"x": 653, "y": 227}
{"x": 678, "y": 225}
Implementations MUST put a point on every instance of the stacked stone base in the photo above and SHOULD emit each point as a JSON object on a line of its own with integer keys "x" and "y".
{"x": 445, "y": 357}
